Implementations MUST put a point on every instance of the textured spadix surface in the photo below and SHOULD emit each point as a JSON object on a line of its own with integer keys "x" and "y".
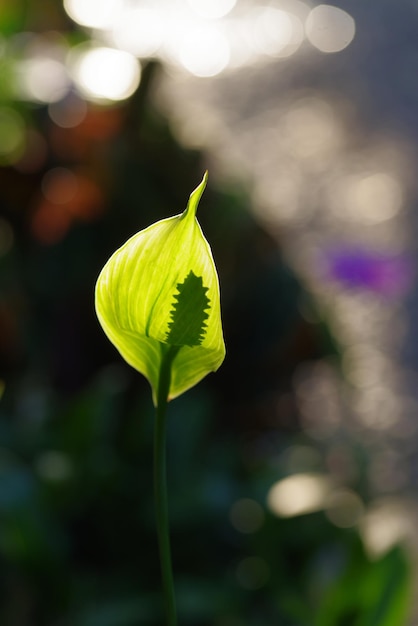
{"x": 159, "y": 289}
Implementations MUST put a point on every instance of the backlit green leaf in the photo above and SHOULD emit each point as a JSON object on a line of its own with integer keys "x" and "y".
{"x": 159, "y": 289}
{"x": 188, "y": 325}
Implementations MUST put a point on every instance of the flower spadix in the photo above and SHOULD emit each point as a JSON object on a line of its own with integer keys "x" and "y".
{"x": 160, "y": 292}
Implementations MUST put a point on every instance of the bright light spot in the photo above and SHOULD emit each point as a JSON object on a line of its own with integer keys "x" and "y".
{"x": 197, "y": 127}
{"x": 272, "y": 30}
{"x": 295, "y": 7}
{"x": 205, "y": 52}
{"x": 379, "y": 408}
{"x": 105, "y": 73}
{"x": 373, "y": 198}
{"x": 385, "y": 525}
{"x": 311, "y": 130}
{"x": 278, "y": 198}
{"x": 246, "y": 516}
{"x": 299, "y": 494}
{"x": 298, "y": 35}
{"x": 241, "y": 52}
{"x": 43, "y": 79}
{"x": 364, "y": 366}
{"x": 329, "y": 28}
{"x": 344, "y": 508}
{"x": 93, "y": 13}
{"x": 12, "y": 135}
{"x": 212, "y": 9}
{"x": 69, "y": 112}
{"x": 138, "y": 31}
{"x": 252, "y": 572}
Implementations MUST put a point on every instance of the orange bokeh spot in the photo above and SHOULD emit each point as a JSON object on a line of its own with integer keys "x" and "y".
{"x": 50, "y": 223}
{"x": 67, "y": 197}
{"x": 88, "y": 201}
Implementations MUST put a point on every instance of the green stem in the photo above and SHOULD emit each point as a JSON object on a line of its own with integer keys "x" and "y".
{"x": 160, "y": 484}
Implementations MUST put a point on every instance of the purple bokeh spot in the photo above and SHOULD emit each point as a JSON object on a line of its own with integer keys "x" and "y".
{"x": 381, "y": 273}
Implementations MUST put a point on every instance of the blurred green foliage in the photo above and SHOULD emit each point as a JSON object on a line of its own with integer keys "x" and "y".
{"x": 77, "y": 533}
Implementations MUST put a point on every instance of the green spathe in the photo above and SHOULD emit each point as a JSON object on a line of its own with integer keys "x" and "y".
{"x": 159, "y": 289}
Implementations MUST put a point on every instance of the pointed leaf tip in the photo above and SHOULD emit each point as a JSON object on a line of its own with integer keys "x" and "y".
{"x": 195, "y": 196}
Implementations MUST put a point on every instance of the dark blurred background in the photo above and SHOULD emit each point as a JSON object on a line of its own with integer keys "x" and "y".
{"x": 292, "y": 470}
